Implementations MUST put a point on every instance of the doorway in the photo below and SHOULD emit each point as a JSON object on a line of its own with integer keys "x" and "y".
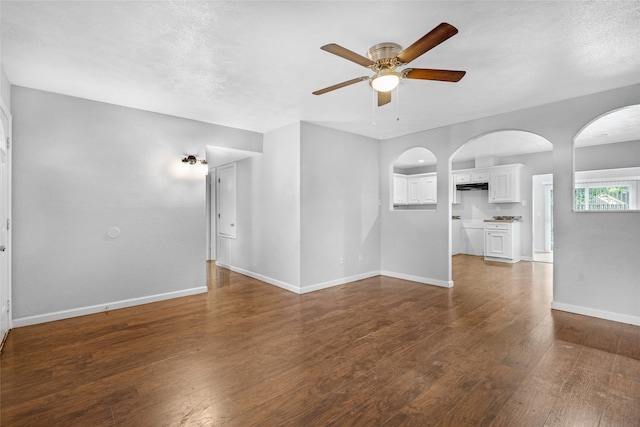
{"x": 5, "y": 215}
{"x": 542, "y": 207}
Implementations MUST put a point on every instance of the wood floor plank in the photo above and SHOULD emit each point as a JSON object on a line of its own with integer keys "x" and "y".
{"x": 379, "y": 351}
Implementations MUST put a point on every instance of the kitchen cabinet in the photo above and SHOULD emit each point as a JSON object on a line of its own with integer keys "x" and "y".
{"x": 479, "y": 175}
{"x": 400, "y": 194}
{"x": 461, "y": 177}
{"x": 502, "y": 241}
{"x": 471, "y": 176}
{"x": 422, "y": 189}
{"x": 504, "y": 184}
{"x": 455, "y": 195}
{"x": 419, "y": 189}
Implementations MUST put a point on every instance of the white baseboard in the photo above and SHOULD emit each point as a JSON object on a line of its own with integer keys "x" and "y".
{"x": 527, "y": 258}
{"x": 82, "y": 311}
{"x": 338, "y": 282}
{"x": 284, "y": 285}
{"x": 419, "y": 279}
{"x": 594, "y": 312}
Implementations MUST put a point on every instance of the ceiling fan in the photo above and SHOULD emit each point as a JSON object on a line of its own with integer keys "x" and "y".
{"x": 385, "y": 58}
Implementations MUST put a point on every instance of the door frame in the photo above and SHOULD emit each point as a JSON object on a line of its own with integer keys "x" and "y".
{"x": 4, "y": 110}
{"x": 212, "y": 208}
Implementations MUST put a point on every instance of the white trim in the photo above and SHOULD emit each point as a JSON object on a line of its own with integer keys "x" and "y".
{"x": 82, "y": 311}
{"x": 269, "y": 280}
{"x": 526, "y": 258}
{"x": 338, "y": 282}
{"x": 419, "y": 279}
{"x": 505, "y": 260}
{"x": 594, "y": 312}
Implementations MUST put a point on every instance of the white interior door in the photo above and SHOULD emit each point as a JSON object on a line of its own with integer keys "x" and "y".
{"x": 5, "y": 197}
{"x": 226, "y": 192}
{"x": 213, "y": 209}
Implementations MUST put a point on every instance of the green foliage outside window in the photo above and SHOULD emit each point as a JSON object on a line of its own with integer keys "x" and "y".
{"x": 601, "y": 198}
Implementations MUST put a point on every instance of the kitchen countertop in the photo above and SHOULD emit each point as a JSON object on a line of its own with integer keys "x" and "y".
{"x": 502, "y": 220}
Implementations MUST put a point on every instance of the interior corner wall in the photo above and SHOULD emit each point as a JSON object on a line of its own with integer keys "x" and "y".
{"x": 340, "y": 214}
{"x": 267, "y": 244}
{"x": 83, "y": 168}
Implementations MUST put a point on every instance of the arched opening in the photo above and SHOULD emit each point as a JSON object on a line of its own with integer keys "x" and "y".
{"x": 606, "y": 163}
{"x": 414, "y": 180}
{"x": 502, "y": 197}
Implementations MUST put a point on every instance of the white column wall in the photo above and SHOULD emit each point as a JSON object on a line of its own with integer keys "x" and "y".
{"x": 340, "y": 207}
{"x": 268, "y": 211}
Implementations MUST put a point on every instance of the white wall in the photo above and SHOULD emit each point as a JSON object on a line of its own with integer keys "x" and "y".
{"x": 415, "y": 243}
{"x": 82, "y": 167}
{"x": 340, "y": 206}
{"x": 608, "y": 156}
{"x": 5, "y": 89}
{"x": 268, "y": 211}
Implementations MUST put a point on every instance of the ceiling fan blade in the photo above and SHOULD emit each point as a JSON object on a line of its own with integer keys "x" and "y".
{"x": 429, "y": 74}
{"x": 347, "y": 54}
{"x": 339, "y": 85}
{"x": 384, "y": 98}
{"x": 430, "y": 40}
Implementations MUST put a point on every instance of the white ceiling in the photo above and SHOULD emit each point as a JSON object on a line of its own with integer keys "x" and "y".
{"x": 253, "y": 65}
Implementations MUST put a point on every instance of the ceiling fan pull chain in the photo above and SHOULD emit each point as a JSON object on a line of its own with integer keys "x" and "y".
{"x": 374, "y": 94}
{"x": 398, "y": 103}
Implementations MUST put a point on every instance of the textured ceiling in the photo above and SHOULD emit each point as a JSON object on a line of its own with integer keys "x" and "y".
{"x": 253, "y": 65}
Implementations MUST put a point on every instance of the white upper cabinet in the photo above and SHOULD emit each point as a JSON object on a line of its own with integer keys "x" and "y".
{"x": 400, "y": 194}
{"x": 422, "y": 189}
{"x": 480, "y": 175}
{"x": 461, "y": 177}
{"x": 415, "y": 189}
{"x": 504, "y": 184}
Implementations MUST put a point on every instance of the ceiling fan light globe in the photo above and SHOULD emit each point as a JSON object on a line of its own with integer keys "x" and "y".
{"x": 385, "y": 82}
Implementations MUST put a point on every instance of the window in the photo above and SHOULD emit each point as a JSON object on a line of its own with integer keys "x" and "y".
{"x": 605, "y": 196}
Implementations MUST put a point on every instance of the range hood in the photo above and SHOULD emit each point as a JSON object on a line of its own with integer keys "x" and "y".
{"x": 472, "y": 186}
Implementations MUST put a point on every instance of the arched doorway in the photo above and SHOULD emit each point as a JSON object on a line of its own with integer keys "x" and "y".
{"x": 479, "y": 176}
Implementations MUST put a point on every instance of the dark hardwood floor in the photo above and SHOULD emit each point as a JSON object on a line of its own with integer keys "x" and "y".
{"x": 380, "y": 351}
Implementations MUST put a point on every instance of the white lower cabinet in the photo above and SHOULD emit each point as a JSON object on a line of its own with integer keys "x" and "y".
{"x": 502, "y": 241}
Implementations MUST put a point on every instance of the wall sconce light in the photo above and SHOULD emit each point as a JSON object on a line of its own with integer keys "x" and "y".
{"x": 192, "y": 160}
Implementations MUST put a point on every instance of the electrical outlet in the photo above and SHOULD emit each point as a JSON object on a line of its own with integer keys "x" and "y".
{"x": 359, "y": 257}
{"x": 341, "y": 260}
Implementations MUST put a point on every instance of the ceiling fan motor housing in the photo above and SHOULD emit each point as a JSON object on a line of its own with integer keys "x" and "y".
{"x": 386, "y": 50}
